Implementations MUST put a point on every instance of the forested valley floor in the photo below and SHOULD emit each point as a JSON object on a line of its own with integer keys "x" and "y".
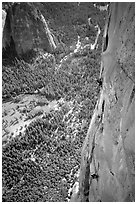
{"x": 48, "y": 103}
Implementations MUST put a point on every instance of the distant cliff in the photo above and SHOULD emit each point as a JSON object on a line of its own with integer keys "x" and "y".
{"x": 26, "y": 28}
{"x": 107, "y": 171}
{"x": 51, "y": 26}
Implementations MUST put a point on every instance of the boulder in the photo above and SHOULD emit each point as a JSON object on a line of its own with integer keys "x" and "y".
{"x": 107, "y": 171}
{"x": 27, "y": 28}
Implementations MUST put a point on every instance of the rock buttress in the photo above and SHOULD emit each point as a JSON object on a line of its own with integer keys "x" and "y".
{"x": 26, "y": 25}
{"x": 107, "y": 171}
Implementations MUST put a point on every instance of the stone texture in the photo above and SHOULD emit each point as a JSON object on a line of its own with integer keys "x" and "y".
{"x": 107, "y": 171}
{"x": 28, "y": 28}
{"x": 5, "y": 30}
{"x": 3, "y": 18}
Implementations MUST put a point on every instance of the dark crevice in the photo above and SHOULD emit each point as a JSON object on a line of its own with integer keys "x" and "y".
{"x": 100, "y": 82}
{"x": 106, "y": 38}
{"x": 132, "y": 95}
{"x": 112, "y": 173}
{"x": 105, "y": 43}
{"x": 95, "y": 176}
{"x": 103, "y": 106}
{"x": 86, "y": 183}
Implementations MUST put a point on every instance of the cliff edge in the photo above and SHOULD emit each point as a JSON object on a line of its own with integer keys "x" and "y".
{"x": 107, "y": 171}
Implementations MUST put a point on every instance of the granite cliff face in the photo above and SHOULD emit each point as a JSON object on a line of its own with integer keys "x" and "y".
{"x": 107, "y": 171}
{"x": 26, "y": 28}
{"x": 48, "y": 103}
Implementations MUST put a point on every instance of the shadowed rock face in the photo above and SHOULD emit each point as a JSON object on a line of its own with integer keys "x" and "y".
{"x": 107, "y": 170}
{"x": 27, "y": 27}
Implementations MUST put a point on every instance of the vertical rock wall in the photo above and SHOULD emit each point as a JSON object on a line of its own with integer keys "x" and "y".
{"x": 107, "y": 170}
{"x": 3, "y": 19}
{"x": 27, "y": 27}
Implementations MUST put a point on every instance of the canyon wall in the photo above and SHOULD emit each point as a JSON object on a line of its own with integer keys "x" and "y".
{"x": 26, "y": 27}
{"x": 107, "y": 171}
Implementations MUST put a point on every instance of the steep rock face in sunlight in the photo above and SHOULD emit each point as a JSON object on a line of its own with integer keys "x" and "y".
{"x": 107, "y": 170}
{"x": 27, "y": 28}
{"x": 3, "y": 18}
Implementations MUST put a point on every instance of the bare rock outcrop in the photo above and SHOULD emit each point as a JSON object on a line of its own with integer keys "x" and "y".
{"x": 26, "y": 26}
{"x": 3, "y": 18}
{"x": 107, "y": 171}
